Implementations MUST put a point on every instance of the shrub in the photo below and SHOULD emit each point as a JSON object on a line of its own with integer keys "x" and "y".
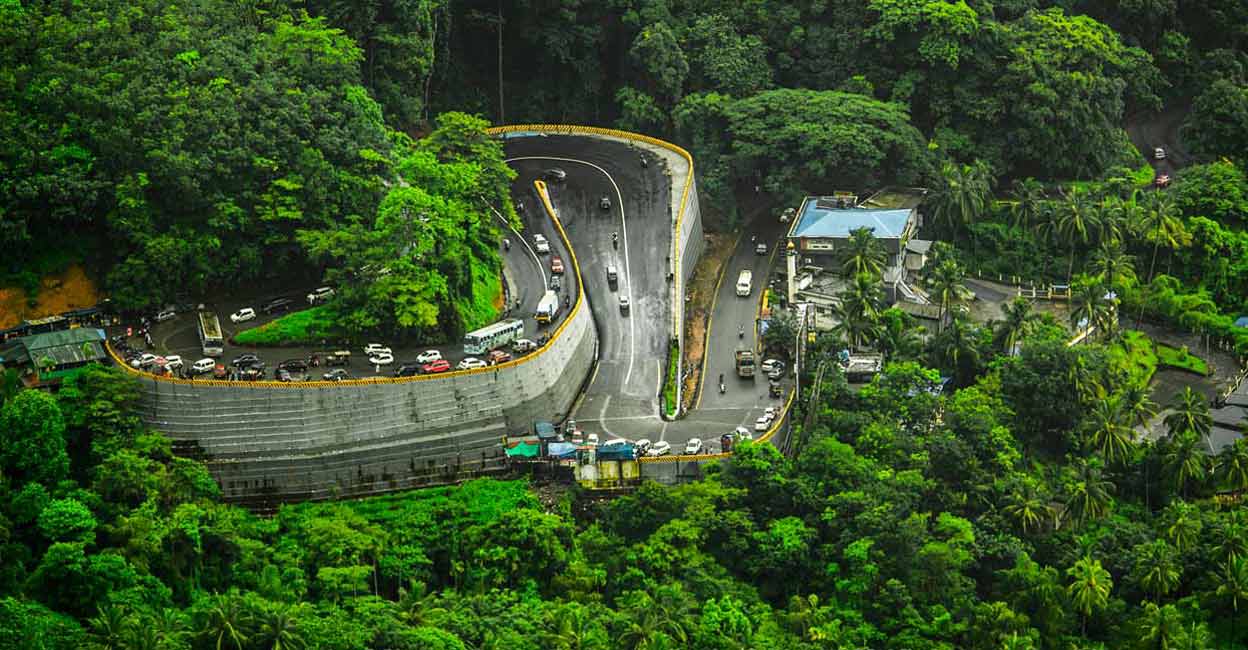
{"x": 309, "y": 326}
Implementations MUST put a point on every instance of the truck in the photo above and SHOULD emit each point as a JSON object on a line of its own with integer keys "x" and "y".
{"x": 745, "y": 363}
{"x": 547, "y": 307}
{"x": 745, "y": 283}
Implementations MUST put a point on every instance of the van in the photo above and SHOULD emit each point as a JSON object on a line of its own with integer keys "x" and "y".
{"x": 613, "y": 275}
{"x": 319, "y": 295}
{"x": 745, "y": 283}
{"x": 203, "y": 365}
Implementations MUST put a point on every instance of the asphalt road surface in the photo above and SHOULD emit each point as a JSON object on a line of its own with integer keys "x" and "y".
{"x": 622, "y": 399}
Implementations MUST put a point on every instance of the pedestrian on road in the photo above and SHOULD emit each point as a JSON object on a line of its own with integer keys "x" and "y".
{"x": 506, "y": 244}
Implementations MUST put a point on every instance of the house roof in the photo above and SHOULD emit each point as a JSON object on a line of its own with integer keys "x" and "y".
{"x": 819, "y": 220}
{"x": 65, "y": 347}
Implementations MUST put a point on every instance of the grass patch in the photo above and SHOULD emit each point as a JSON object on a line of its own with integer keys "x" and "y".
{"x": 309, "y": 327}
{"x": 673, "y": 376}
{"x": 1134, "y": 357}
{"x": 1182, "y": 359}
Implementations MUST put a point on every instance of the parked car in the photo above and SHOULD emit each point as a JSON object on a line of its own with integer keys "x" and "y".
{"x": 772, "y": 364}
{"x": 498, "y": 356}
{"x": 282, "y": 374}
{"x": 694, "y": 446}
{"x": 374, "y": 348}
{"x": 203, "y": 365}
{"x": 380, "y": 359}
{"x": 522, "y": 346}
{"x": 319, "y": 295}
{"x": 592, "y": 440}
{"x": 787, "y": 215}
{"x": 763, "y": 423}
{"x": 144, "y": 360}
{"x": 173, "y": 362}
{"x": 441, "y": 365}
{"x": 408, "y": 370}
{"x": 642, "y": 446}
{"x": 247, "y": 359}
{"x": 615, "y": 442}
{"x": 660, "y": 448}
{"x": 243, "y": 315}
{"x": 605, "y": 202}
{"x": 742, "y": 433}
{"x": 470, "y": 363}
{"x": 541, "y": 244}
{"x": 1162, "y": 180}
{"x": 428, "y": 356}
{"x": 338, "y": 358}
{"x": 251, "y": 374}
{"x": 293, "y": 365}
{"x": 164, "y": 315}
{"x": 555, "y": 174}
{"x": 277, "y": 305}
{"x": 556, "y": 265}
{"x": 771, "y": 412}
{"x": 219, "y": 372}
{"x": 1159, "y": 153}
{"x": 337, "y": 374}
{"x": 761, "y": 248}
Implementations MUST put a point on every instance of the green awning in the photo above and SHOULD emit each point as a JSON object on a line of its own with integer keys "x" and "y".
{"x": 524, "y": 450}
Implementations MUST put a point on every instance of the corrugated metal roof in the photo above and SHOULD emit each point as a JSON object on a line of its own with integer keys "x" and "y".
{"x": 820, "y": 221}
{"x": 65, "y": 347}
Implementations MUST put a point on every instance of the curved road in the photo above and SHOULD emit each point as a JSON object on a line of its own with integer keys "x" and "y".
{"x": 622, "y": 399}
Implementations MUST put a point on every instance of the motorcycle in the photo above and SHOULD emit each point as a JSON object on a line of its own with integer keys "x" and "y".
{"x": 615, "y": 240}
{"x": 722, "y": 388}
{"x": 741, "y": 332}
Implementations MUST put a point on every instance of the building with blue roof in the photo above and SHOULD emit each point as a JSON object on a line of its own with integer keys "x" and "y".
{"x": 823, "y": 224}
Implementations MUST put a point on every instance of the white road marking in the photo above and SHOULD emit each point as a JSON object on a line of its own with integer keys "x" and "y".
{"x": 628, "y": 272}
{"x": 541, "y": 272}
{"x": 602, "y": 420}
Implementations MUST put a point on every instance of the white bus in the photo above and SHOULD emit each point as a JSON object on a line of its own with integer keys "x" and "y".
{"x": 493, "y": 336}
{"x": 210, "y": 338}
{"x": 547, "y": 307}
{"x": 745, "y": 283}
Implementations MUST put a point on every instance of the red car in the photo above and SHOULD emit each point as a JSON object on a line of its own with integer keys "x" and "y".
{"x": 441, "y": 365}
{"x": 556, "y": 265}
{"x": 1162, "y": 180}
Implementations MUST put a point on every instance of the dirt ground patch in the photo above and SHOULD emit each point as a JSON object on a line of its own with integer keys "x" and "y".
{"x": 701, "y": 288}
{"x": 70, "y": 289}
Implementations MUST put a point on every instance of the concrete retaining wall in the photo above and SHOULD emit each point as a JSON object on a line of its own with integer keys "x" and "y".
{"x": 305, "y": 442}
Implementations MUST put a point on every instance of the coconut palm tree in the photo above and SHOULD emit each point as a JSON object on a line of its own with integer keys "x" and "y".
{"x": 1162, "y": 627}
{"x": 1185, "y": 462}
{"x": 1182, "y": 524}
{"x": 958, "y": 348}
{"x": 1019, "y": 317}
{"x": 1076, "y": 221}
{"x": 225, "y": 624}
{"x": 279, "y": 629}
{"x": 1232, "y": 464}
{"x": 1109, "y": 432}
{"x": 1159, "y": 222}
{"x": 1028, "y": 505}
{"x": 863, "y": 254}
{"x": 1090, "y": 495}
{"x": 1089, "y": 588}
{"x": 1232, "y": 583}
{"x": 962, "y": 194}
{"x": 1029, "y": 199}
{"x": 1157, "y": 568}
{"x": 109, "y": 628}
{"x": 1190, "y": 414}
{"x": 1112, "y": 265}
{"x": 898, "y": 337}
{"x": 1090, "y": 308}
{"x": 946, "y": 286}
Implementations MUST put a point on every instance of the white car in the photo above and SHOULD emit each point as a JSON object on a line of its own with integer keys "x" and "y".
{"x": 374, "y": 348}
{"x": 660, "y": 448}
{"x": 173, "y": 362}
{"x": 1159, "y": 153}
{"x": 772, "y": 364}
{"x": 244, "y": 314}
{"x": 523, "y": 345}
{"x": 471, "y": 363}
{"x": 383, "y": 358}
{"x": 763, "y": 423}
{"x": 742, "y": 433}
{"x": 203, "y": 365}
{"x": 592, "y": 440}
{"x": 428, "y": 356}
{"x": 694, "y": 446}
{"x": 771, "y": 412}
{"x": 540, "y": 244}
{"x": 761, "y": 248}
{"x": 320, "y": 294}
{"x": 643, "y": 446}
{"x": 164, "y": 315}
{"x": 144, "y": 361}
{"x": 787, "y": 215}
